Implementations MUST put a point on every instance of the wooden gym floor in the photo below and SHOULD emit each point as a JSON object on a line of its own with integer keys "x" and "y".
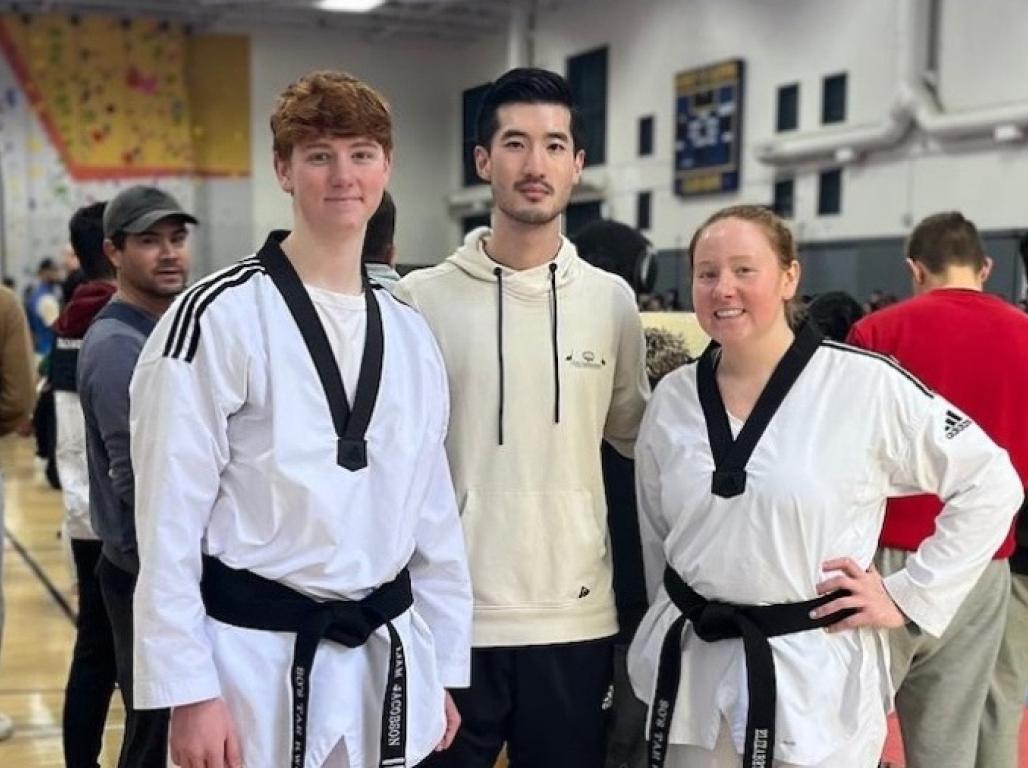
{"x": 38, "y": 632}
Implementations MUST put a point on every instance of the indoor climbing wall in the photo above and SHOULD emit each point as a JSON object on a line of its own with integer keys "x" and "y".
{"x": 91, "y": 104}
{"x": 111, "y": 94}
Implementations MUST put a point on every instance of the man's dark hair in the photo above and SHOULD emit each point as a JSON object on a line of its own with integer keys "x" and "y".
{"x": 835, "y": 313}
{"x": 378, "y": 239}
{"x": 86, "y": 234}
{"x": 617, "y": 248}
{"x": 946, "y": 240}
{"x": 525, "y": 85}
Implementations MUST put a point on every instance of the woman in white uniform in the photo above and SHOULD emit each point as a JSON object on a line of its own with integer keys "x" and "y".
{"x": 762, "y": 472}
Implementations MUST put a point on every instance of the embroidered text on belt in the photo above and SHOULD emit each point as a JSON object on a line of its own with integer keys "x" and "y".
{"x": 244, "y": 599}
{"x": 713, "y": 620}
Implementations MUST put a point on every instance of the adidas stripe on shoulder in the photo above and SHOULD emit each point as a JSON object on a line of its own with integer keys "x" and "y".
{"x": 890, "y": 361}
{"x": 184, "y": 336}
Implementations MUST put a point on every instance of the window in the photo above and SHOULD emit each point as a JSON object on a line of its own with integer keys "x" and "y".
{"x": 472, "y": 98}
{"x": 642, "y": 210}
{"x": 833, "y": 99}
{"x": 788, "y": 118}
{"x": 829, "y": 192}
{"x": 587, "y": 76}
{"x": 782, "y": 203}
{"x": 646, "y": 136}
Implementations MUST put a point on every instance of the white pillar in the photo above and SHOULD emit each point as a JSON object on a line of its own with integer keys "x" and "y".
{"x": 519, "y": 42}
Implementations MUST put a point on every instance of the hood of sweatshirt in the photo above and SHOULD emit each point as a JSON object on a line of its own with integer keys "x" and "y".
{"x": 88, "y": 299}
{"x": 537, "y": 282}
{"x": 383, "y": 274}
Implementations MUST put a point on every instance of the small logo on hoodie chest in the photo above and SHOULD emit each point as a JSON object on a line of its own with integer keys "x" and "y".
{"x": 587, "y": 358}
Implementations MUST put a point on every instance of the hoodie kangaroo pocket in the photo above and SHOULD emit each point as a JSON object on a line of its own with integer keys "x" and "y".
{"x": 532, "y": 548}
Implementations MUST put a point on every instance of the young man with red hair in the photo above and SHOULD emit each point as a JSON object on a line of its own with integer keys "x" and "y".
{"x": 303, "y": 595}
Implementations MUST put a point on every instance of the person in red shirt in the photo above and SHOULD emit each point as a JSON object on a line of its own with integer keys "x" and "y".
{"x": 972, "y": 348}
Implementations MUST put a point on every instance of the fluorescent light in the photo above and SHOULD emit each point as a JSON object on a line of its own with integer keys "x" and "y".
{"x": 349, "y": 6}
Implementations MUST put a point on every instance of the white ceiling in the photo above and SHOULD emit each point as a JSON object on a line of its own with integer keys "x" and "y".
{"x": 425, "y": 20}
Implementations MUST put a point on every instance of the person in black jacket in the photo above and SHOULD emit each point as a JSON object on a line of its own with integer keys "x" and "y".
{"x": 623, "y": 251}
{"x": 92, "y": 673}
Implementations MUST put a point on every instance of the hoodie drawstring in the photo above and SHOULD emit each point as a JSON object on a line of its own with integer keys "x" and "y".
{"x": 555, "y": 354}
{"x": 499, "y": 341}
{"x": 556, "y": 362}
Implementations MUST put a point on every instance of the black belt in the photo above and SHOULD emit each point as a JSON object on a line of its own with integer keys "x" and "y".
{"x": 244, "y": 599}
{"x": 714, "y": 620}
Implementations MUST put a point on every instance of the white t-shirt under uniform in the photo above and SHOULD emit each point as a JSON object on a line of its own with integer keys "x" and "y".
{"x": 344, "y": 317}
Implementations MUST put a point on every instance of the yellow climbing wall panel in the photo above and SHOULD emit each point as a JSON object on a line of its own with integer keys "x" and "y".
{"x": 218, "y": 81}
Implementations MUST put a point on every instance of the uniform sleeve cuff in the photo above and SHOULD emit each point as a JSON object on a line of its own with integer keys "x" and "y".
{"x": 910, "y": 600}
{"x": 455, "y": 673}
{"x": 156, "y": 694}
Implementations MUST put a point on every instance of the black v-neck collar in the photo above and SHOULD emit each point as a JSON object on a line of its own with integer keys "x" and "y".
{"x": 732, "y": 455}
{"x": 351, "y": 427}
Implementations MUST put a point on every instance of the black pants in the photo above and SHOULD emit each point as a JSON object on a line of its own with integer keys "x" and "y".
{"x": 44, "y": 425}
{"x": 145, "y": 744}
{"x": 91, "y": 677}
{"x": 549, "y": 703}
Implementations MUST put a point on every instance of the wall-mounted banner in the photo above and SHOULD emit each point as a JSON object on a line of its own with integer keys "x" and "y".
{"x": 708, "y": 128}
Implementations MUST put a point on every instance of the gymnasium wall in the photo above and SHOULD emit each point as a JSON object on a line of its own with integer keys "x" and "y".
{"x": 224, "y": 168}
{"x": 981, "y": 66}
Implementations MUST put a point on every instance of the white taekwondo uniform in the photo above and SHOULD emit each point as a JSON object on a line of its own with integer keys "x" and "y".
{"x": 852, "y": 430}
{"x": 240, "y": 454}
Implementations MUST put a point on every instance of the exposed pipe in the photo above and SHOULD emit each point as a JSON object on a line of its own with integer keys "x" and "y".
{"x": 930, "y": 76}
{"x": 915, "y": 103}
{"x": 1003, "y": 123}
{"x": 844, "y": 146}
{"x": 1000, "y": 122}
{"x": 848, "y": 144}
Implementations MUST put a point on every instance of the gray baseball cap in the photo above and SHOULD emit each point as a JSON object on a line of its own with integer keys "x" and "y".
{"x": 136, "y": 209}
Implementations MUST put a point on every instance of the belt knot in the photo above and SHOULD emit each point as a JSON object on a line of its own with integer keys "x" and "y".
{"x": 716, "y": 621}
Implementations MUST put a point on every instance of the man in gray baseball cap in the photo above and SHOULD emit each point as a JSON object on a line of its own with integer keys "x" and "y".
{"x": 145, "y": 238}
{"x": 135, "y": 209}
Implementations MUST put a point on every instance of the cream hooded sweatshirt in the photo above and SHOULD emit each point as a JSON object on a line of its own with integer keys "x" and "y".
{"x": 542, "y": 364}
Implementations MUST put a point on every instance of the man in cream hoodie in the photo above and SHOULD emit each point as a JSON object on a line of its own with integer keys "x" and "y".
{"x": 546, "y": 358}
